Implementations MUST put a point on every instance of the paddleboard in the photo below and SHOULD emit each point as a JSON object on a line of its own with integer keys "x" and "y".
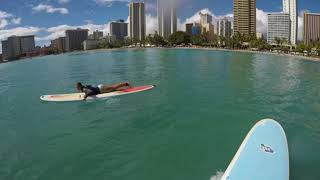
{"x": 262, "y": 155}
{"x": 79, "y": 96}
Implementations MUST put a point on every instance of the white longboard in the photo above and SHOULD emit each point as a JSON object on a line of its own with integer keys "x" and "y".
{"x": 79, "y": 96}
{"x": 263, "y": 155}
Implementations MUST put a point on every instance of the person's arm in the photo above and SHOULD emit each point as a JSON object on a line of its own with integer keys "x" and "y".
{"x": 88, "y": 93}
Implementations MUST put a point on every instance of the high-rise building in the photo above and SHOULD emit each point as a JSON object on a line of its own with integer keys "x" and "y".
{"x": 290, "y": 7}
{"x": 59, "y": 44}
{"x": 205, "y": 18}
{"x": 278, "y": 27}
{"x": 224, "y": 28}
{"x": 27, "y": 44}
{"x": 75, "y": 38}
{"x": 137, "y": 22}
{"x": 13, "y": 48}
{"x": 189, "y": 28}
{"x": 244, "y": 16}
{"x": 311, "y": 27}
{"x": 5, "y": 50}
{"x": 196, "y": 29}
{"x": 167, "y": 17}
{"x": 206, "y": 23}
{"x": 119, "y": 29}
{"x": 16, "y": 46}
{"x": 97, "y": 35}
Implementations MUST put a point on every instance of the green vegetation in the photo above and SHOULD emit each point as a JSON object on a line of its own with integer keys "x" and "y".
{"x": 179, "y": 38}
{"x": 260, "y": 44}
{"x": 237, "y": 41}
{"x": 156, "y": 40}
{"x": 105, "y": 44}
{"x": 313, "y": 48}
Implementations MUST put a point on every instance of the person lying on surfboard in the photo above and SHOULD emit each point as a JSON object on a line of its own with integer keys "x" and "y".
{"x": 101, "y": 89}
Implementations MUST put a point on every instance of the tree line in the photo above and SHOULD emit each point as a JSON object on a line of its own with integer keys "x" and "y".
{"x": 237, "y": 41}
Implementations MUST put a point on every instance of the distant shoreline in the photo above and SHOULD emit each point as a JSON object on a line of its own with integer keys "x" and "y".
{"x": 307, "y": 58}
{"x": 315, "y": 59}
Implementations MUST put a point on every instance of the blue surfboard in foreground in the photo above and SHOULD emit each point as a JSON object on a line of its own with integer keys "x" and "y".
{"x": 263, "y": 155}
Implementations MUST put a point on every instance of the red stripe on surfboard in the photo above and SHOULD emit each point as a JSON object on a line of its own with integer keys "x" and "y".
{"x": 137, "y": 89}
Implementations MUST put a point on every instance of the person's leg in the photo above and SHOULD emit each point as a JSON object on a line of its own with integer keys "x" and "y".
{"x": 106, "y": 89}
{"x": 115, "y": 87}
{"x": 121, "y": 85}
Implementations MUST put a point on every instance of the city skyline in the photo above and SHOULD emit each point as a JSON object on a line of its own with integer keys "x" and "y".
{"x": 11, "y": 22}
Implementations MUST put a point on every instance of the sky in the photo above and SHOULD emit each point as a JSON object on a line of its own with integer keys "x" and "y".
{"x": 48, "y": 19}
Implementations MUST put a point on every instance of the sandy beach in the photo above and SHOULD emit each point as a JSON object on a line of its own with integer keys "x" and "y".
{"x": 316, "y": 59}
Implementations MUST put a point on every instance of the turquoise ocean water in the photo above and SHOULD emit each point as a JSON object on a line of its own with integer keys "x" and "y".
{"x": 188, "y": 127}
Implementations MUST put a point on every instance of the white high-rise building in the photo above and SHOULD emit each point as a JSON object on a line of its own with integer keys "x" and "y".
{"x": 206, "y": 23}
{"x": 224, "y": 28}
{"x": 278, "y": 27}
{"x": 167, "y": 18}
{"x": 290, "y": 7}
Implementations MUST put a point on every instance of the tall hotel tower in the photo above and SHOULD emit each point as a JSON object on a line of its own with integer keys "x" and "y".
{"x": 311, "y": 27}
{"x": 137, "y": 24}
{"x": 290, "y": 7}
{"x": 244, "y": 16}
{"x": 167, "y": 17}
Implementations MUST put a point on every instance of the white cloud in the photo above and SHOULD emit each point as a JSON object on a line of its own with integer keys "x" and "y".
{"x": 88, "y": 21}
{"x": 151, "y": 24}
{"x": 63, "y": 1}
{"x": 181, "y": 25}
{"x": 262, "y": 21}
{"x": 196, "y": 18}
{"x": 109, "y": 3}
{"x": 59, "y": 31}
{"x": 50, "y": 9}
{"x": 7, "y": 19}
{"x": 16, "y": 20}
{"x": 4, "y": 15}
{"x": 3, "y": 23}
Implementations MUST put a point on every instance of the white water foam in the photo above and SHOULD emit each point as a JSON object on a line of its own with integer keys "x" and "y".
{"x": 217, "y": 176}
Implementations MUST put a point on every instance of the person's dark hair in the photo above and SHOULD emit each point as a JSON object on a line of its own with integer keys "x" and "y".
{"x": 79, "y": 84}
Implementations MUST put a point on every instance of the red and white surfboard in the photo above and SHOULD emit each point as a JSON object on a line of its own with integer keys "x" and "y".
{"x": 79, "y": 96}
